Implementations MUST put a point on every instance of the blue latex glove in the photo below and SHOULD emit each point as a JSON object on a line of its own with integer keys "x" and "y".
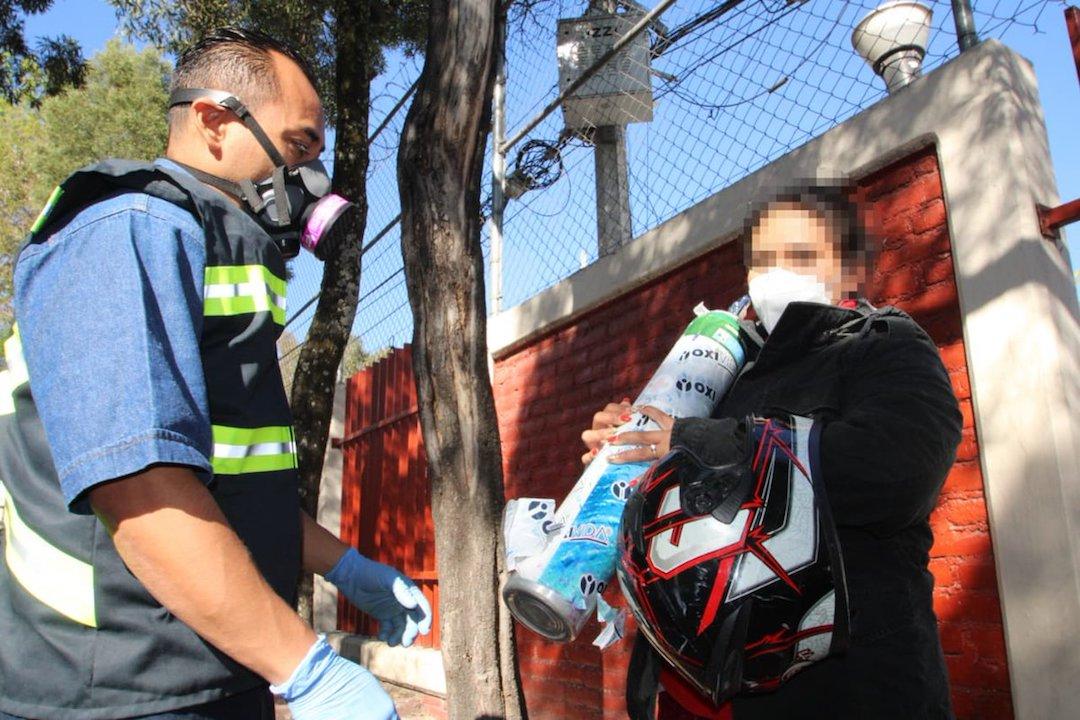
{"x": 384, "y": 594}
{"x": 326, "y": 686}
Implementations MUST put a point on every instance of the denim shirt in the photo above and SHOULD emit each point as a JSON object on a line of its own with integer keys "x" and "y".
{"x": 110, "y": 313}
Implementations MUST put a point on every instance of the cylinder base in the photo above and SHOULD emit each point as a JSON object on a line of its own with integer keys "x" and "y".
{"x": 542, "y": 610}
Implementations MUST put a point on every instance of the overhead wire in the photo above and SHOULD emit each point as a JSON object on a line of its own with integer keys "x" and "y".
{"x": 784, "y": 79}
{"x": 692, "y": 88}
{"x": 528, "y": 173}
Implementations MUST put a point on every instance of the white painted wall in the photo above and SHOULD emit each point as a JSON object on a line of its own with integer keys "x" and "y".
{"x": 324, "y": 614}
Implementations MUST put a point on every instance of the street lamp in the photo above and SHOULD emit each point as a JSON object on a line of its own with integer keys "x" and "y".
{"x": 892, "y": 39}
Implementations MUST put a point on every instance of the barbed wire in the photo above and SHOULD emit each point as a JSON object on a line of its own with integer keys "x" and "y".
{"x": 735, "y": 92}
{"x": 729, "y": 87}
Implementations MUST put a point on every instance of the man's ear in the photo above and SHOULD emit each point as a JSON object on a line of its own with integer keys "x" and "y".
{"x": 210, "y": 122}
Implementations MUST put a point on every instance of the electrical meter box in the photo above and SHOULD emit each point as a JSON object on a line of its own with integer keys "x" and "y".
{"x": 621, "y": 91}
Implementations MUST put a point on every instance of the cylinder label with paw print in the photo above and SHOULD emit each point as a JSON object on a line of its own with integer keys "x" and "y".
{"x": 553, "y": 591}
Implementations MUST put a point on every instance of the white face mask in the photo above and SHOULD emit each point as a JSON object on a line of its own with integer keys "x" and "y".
{"x": 771, "y": 292}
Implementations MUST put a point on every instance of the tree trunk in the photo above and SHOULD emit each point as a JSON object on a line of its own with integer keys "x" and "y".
{"x": 439, "y": 173}
{"x": 316, "y": 370}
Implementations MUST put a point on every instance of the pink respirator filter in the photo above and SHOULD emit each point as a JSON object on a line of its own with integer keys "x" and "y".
{"x": 326, "y": 211}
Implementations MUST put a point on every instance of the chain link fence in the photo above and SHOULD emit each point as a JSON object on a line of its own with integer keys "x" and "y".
{"x": 708, "y": 93}
{"x": 383, "y": 318}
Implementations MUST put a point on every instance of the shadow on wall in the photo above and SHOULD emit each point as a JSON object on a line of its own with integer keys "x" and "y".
{"x": 547, "y": 392}
{"x": 914, "y": 272}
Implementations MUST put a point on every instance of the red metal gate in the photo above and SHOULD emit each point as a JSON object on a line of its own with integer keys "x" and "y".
{"x": 385, "y": 496}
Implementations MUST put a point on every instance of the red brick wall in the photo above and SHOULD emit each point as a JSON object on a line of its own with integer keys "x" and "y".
{"x": 915, "y": 273}
{"x": 546, "y": 394}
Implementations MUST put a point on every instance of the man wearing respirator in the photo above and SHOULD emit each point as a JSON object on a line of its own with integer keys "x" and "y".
{"x": 153, "y": 529}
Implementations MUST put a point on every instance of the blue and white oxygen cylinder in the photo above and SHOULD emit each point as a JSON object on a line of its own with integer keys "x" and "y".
{"x": 561, "y": 563}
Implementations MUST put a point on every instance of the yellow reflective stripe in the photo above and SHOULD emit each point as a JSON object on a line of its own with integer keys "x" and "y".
{"x": 249, "y": 450}
{"x": 251, "y": 436}
{"x": 233, "y": 274}
{"x": 254, "y": 464}
{"x": 49, "y": 574}
{"x": 218, "y": 307}
{"x": 15, "y": 375}
{"x": 13, "y": 355}
{"x": 243, "y": 289}
{"x": 49, "y": 205}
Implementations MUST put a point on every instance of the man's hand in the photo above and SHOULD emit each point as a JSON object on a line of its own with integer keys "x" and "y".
{"x": 652, "y": 444}
{"x": 326, "y": 686}
{"x": 385, "y": 594}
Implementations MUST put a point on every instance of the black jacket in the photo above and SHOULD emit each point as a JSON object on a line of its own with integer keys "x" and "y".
{"x": 891, "y": 428}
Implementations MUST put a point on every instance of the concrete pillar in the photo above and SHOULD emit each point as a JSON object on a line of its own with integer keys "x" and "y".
{"x": 324, "y": 615}
{"x": 612, "y": 188}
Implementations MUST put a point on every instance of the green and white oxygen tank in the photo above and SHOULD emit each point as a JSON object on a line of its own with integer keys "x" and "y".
{"x": 561, "y": 563}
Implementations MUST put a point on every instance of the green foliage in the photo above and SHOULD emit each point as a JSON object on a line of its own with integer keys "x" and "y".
{"x": 20, "y": 193}
{"x": 356, "y": 358}
{"x": 118, "y": 112}
{"x": 62, "y": 62}
{"x": 30, "y": 76}
{"x": 308, "y": 25}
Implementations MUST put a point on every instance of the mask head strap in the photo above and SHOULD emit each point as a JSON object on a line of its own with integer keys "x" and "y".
{"x": 282, "y": 206}
{"x": 237, "y": 190}
{"x": 230, "y": 101}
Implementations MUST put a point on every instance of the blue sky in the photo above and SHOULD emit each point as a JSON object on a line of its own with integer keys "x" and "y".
{"x": 93, "y": 22}
{"x": 544, "y": 214}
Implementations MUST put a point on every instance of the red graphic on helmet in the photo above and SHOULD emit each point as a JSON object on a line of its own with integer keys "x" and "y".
{"x": 760, "y": 589}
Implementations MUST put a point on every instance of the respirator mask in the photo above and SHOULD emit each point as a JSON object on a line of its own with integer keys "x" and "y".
{"x": 771, "y": 292}
{"x": 294, "y": 205}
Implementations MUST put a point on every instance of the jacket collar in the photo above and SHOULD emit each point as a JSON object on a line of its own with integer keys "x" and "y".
{"x": 805, "y": 327}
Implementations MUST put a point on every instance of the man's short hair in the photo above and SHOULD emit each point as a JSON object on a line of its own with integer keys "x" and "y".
{"x": 833, "y": 204}
{"x": 236, "y": 60}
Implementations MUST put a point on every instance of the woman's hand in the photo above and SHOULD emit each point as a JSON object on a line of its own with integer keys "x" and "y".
{"x": 604, "y": 424}
{"x": 653, "y": 444}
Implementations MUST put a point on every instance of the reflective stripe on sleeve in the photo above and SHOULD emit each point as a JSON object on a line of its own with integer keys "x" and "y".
{"x": 15, "y": 375}
{"x": 45, "y": 211}
{"x": 243, "y": 289}
{"x": 57, "y": 579}
{"x": 7, "y": 402}
{"x": 247, "y": 450}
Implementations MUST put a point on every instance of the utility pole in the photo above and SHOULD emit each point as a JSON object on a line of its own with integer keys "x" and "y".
{"x": 612, "y": 175}
{"x": 612, "y": 188}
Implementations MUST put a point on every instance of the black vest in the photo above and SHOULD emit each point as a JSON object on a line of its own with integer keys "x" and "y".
{"x": 80, "y": 638}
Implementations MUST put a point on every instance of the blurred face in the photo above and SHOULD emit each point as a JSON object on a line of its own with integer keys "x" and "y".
{"x": 800, "y": 241}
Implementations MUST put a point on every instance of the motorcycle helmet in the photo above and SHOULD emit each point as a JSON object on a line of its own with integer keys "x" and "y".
{"x": 734, "y": 572}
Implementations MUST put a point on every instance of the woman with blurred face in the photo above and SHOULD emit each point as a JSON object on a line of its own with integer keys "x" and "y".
{"x": 873, "y": 380}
